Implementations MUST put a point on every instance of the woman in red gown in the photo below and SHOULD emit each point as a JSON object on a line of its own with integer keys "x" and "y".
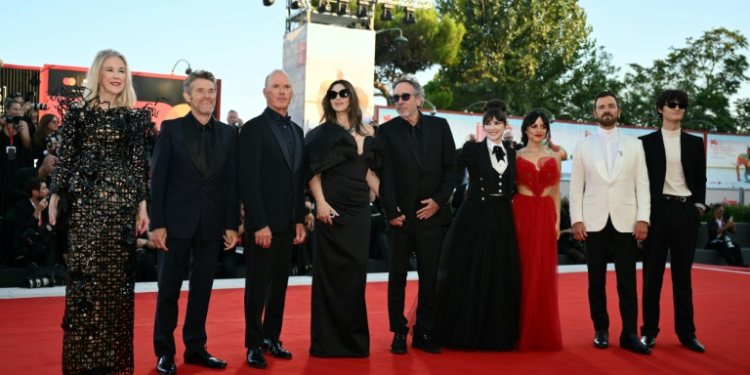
{"x": 536, "y": 211}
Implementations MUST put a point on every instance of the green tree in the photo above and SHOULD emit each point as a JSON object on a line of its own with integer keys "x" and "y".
{"x": 592, "y": 72}
{"x": 431, "y": 40}
{"x": 514, "y": 50}
{"x": 709, "y": 69}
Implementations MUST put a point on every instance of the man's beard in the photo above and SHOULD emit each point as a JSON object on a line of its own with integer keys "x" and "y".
{"x": 608, "y": 123}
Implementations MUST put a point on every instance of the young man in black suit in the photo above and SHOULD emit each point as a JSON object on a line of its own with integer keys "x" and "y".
{"x": 271, "y": 188}
{"x": 676, "y": 164}
{"x": 194, "y": 205}
{"x": 418, "y": 177}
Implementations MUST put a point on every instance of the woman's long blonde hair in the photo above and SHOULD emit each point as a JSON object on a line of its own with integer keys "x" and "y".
{"x": 126, "y": 98}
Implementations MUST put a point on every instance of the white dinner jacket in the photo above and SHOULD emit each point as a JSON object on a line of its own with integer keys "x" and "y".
{"x": 595, "y": 196}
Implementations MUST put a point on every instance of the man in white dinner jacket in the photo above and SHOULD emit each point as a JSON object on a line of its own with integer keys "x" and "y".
{"x": 610, "y": 206}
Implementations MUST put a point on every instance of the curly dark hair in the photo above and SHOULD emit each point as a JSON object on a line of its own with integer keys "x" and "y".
{"x": 671, "y": 96}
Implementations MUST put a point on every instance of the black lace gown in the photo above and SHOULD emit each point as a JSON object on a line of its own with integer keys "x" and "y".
{"x": 102, "y": 173}
{"x": 339, "y": 325}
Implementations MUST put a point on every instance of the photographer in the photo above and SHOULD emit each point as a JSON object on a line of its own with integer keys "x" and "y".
{"x": 720, "y": 241}
{"x": 14, "y": 145}
{"x": 233, "y": 118}
{"x": 33, "y": 238}
{"x": 46, "y": 139}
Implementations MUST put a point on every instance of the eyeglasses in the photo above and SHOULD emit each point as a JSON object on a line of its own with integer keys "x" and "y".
{"x": 343, "y": 94}
{"x": 404, "y": 97}
{"x": 675, "y": 105}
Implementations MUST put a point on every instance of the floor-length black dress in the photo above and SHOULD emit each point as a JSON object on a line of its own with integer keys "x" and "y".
{"x": 102, "y": 171}
{"x": 479, "y": 276}
{"x": 339, "y": 314}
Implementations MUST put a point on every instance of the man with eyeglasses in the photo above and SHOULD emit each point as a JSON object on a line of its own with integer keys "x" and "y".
{"x": 676, "y": 164}
{"x": 418, "y": 177}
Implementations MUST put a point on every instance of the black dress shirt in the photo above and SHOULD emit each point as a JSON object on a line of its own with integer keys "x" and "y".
{"x": 204, "y": 134}
{"x": 416, "y": 134}
{"x": 285, "y": 126}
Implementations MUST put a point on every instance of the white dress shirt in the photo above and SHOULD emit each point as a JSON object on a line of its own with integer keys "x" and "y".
{"x": 502, "y": 165}
{"x": 609, "y": 141}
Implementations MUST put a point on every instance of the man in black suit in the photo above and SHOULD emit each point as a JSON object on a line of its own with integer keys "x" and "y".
{"x": 271, "y": 189}
{"x": 719, "y": 240}
{"x": 418, "y": 177}
{"x": 33, "y": 238}
{"x": 194, "y": 205}
{"x": 676, "y": 164}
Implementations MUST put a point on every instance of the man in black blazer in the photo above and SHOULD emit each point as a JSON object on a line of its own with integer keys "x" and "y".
{"x": 194, "y": 205}
{"x": 676, "y": 164}
{"x": 271, "y": 188}
{"x": 418, "y": 177}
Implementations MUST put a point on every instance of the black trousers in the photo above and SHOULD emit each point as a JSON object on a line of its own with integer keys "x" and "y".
{"x": 265, "y": 286}
{"x": 426, "y": 243}
{"x": 732, "y": 255}
{"x": 199, "y": 256}
{"x": 626, "y": 254}
{"x": 674, "y": 229}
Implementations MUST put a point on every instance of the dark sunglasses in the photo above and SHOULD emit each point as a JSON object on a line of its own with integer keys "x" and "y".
{"x": 675, "y": 105}
{"x": 343, "y": 94}
{"x": 405, "y": 97}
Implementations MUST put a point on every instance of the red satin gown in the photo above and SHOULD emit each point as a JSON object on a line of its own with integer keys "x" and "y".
{"x": 535, "y": 219}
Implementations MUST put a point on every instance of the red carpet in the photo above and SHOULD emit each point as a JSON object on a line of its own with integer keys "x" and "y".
{"x": 30, "y": 336}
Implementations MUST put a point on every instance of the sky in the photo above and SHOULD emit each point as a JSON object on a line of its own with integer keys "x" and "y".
{"x": 240, "y": 41}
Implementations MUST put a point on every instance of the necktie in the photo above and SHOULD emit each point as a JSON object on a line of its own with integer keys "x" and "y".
{"x": 498, "y": 152}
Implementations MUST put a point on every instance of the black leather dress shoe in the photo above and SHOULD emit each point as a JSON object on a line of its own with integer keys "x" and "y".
{"x": 165, "y": 365}
{"x": 649, "y": 341}
{"x": 274, "y": 347}
{"x": 255, "y": 358}
{"x": 398, "y": 346}
{"x": 601, "y": 339}
{"x": 425, "y": 342}
{"x": 693, "y": 345}
{"x": 204, "y": 359}
{"x": 634, "y": 344}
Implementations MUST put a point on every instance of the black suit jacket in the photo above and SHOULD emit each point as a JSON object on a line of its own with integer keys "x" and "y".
{"x": 713, "y": 231}
{"x": 408, "y": 178}
{"x": 270, "y": 179}
{"x": 184, "y": 191}
{"x": 693, "y": 166}
{"x": 483, "y": 179}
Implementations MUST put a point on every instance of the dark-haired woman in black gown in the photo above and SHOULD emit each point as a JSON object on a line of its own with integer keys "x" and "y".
{"x": 478, "y": 278}
{"x": 339, "y": 155}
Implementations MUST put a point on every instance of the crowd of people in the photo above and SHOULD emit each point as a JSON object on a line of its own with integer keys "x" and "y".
{"x": 487, "y": 276}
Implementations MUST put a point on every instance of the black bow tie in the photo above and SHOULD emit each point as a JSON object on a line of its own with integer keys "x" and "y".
{"x": 287, "y": 120}
{"x": 498, "y": 152}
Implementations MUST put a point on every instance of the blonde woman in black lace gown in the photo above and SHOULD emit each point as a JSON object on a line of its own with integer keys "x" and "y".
{"x": 102, "y": 172}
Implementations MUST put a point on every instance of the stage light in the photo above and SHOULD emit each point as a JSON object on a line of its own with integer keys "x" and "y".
{"x": 342, "y": 7}
{"x": 409, "y": 17}
{"x": 268, "y": 3}
{"x": 363, "y": 8}
{"x": 387, "y": 14}
{"x": 298, "y": 4}
{"x": 187, "y": 71}
{"x": 324, "y": 6}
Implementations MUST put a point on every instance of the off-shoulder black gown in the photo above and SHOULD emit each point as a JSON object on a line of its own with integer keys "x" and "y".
{"x": 339, "y": 313}
{"x": 102, "y": 171}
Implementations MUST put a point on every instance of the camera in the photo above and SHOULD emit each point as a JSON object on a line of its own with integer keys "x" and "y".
{"x": 52, "y": 139}
{"x": 36, "y": 106}
{"x": 38, "y": 282}
{"x": 15, "y": 120}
